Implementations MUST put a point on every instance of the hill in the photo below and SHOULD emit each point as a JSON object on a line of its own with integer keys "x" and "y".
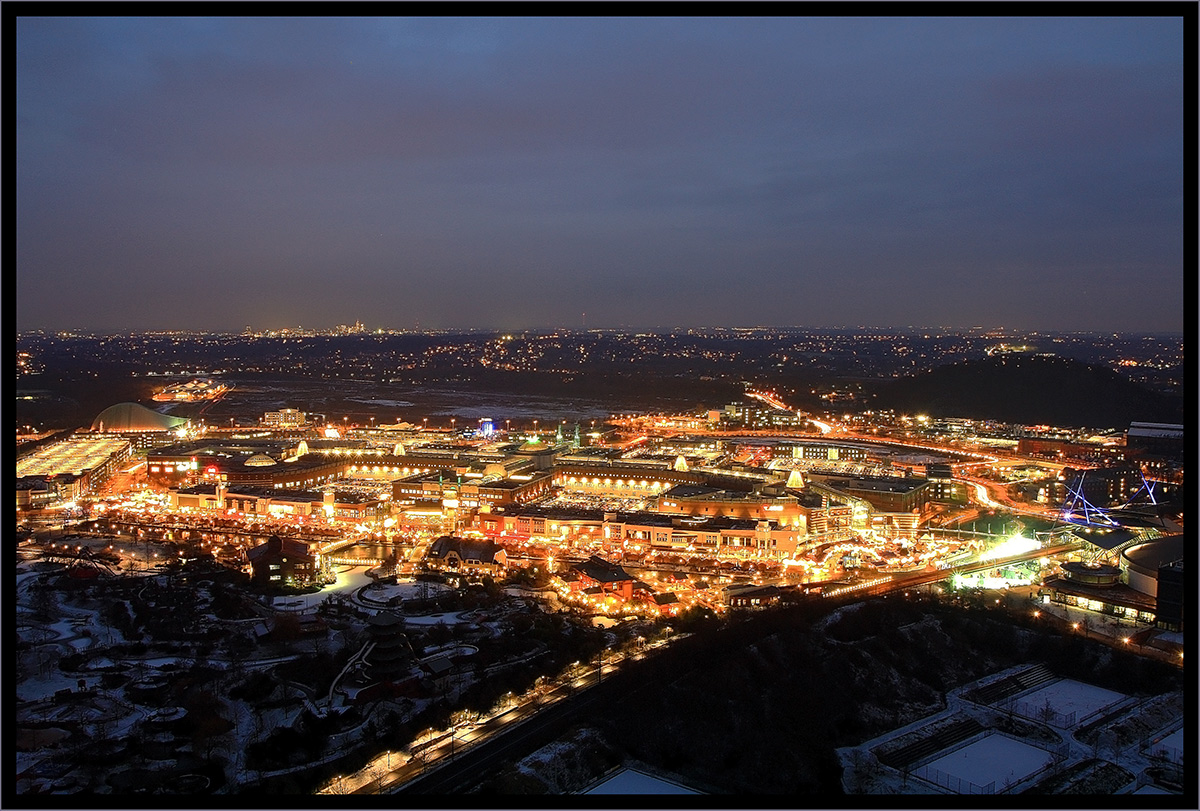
{"x": 1030, "y": 389}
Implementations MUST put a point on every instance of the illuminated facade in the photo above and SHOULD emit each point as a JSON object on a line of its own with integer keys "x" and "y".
{"x": 465, "y": 555}
{"x": 784, "y": 510}
{"x": 87, "y": 461}
{"x": 284, "y": 418}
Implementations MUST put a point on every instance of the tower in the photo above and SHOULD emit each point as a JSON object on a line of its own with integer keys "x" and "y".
{"x": 391, "y": 657}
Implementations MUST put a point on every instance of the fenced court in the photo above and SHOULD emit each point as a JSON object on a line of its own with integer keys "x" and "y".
{"x": 1069, "y": 702}
{"x": 987, "y": 765}
{"x": 1169, "y": 748}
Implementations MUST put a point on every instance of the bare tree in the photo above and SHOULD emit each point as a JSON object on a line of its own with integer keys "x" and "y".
{"x": 377, "y": 770}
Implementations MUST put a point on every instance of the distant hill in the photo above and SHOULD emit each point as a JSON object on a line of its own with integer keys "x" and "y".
{"x": 1028, "y": 389}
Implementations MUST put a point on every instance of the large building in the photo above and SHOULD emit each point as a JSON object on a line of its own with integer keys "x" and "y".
{"x": 1145, "y": 586}
{"x": 73, "y": 467}
{"x": 700, "y": 500}
{"x": 143, "y": 427}
{"x": 284, "y": 418}
{"x": 1155, "y": 438}
{"x": 472, "y": 490}
{"x": 893, "y": 505}
{"x": 282, "y": 562}
{"x": 134, "y": 418}
{"x": 245, "y": 462}
{"x": 334, "y": 505}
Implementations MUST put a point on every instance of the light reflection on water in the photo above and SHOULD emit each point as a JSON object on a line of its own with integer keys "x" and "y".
{"x": 372, "y": 551}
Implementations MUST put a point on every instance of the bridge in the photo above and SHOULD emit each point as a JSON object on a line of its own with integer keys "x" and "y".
{"x": 887, "y": 585}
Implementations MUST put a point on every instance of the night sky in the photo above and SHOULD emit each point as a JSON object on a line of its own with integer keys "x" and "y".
{"x": 208, "y": 174}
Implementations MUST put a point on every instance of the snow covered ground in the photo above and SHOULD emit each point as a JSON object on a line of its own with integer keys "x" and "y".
{"x": 406, "y": 590}
{"x": 1067, "y": 696}
{"x": 995, "y": 759}
{"x": 349, "y": 580}
{"x": 450, "y": 618}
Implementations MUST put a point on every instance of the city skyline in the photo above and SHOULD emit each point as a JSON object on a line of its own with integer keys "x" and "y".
{"x": 206, "y": 174}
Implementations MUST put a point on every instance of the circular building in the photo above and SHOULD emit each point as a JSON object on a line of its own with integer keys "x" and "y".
{"x": 1096, "y": 574}
{"x": 1142, "y": 562}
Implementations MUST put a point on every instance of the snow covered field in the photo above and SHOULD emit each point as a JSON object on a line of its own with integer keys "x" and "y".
{"x": 994, "y": 758}
{"x": 406, "y": 590}
{"x": 349, "y": 579}
{"x": 1067, "y": 696}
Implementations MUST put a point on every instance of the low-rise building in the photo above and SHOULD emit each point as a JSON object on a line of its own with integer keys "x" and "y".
{"x": 467, "y": 555}
{"x": 282, "y": 562}
{"x": 608, "y": 578}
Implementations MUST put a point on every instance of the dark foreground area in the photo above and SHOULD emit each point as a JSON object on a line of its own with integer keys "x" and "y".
{"x": 759, "y": 707}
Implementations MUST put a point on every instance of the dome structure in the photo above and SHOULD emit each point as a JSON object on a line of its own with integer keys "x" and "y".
{"x": 134, "y": 417}
{"x": 260, "y": 460}
{"x": 534, "y": 443}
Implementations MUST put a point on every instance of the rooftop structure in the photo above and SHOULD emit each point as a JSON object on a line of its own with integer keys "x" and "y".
{"x": 201, "y": 388}
{"x": 462, "y": 553}
{"x": 76, "y": 455}
{"x": 134, "y": 417}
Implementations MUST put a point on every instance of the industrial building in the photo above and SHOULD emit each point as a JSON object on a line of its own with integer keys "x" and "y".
{"x": 64, "y": 471}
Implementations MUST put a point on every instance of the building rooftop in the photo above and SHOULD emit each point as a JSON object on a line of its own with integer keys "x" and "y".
{"x": 877, "y": 484}
{"x": 600, "y": 570}
{"x": 645, "y": 519}
{"x": 559, "y": 513}
{"x": 1156, "y": 553}
{"x": 467, "y": 549}
{"x": 135, "y": 418}
{"x": 276, "y": 494}
{"x": 1155, "y": 429}
{"x": 280, "y": 546}
{"x": 74, "y": 455}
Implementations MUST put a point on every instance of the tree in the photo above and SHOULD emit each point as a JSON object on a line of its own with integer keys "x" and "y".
{"x": 205, "y": 715}
{"x": 439, "y": 634}
{"x": 377, "y": 770}
{"x": 286, "y": 628}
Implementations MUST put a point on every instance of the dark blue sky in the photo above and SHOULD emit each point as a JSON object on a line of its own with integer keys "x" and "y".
{"x": 509, "y": 173}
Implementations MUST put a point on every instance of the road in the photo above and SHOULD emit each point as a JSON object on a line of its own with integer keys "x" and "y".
{"x": 439, "y": 765}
